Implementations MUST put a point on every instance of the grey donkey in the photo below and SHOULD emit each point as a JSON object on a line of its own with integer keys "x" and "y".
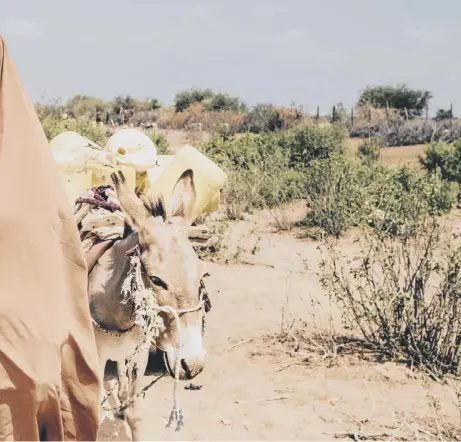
{"x": 171, "y": 269}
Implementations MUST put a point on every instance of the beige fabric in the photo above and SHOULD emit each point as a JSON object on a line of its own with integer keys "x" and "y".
{"x": 49, "y": 383}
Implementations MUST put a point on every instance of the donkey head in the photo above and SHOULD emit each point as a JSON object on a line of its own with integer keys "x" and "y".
{"x": 171, "y": 266}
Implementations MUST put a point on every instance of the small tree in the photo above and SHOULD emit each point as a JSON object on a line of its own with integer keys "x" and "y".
{"x": 224, "y": 102}
{"x": 123, "y": 102}
{"x": 397, "y": 97}
{"x": 186, "y": 98}
{"x": 443, "y": 114}
{"x": 85, "y": 106}
{"x": 155, "y": 103}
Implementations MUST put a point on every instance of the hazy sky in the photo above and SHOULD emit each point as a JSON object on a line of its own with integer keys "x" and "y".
{"x": 312, "y": 52}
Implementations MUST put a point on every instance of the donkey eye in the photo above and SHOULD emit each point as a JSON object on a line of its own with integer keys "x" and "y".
{"x": 158, "y": 282}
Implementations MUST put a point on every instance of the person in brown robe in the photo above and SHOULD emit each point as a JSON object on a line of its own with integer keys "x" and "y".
{"x": 50, "y": 388}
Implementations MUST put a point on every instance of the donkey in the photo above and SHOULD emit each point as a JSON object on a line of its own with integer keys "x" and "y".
{"x": 173, "y": 271}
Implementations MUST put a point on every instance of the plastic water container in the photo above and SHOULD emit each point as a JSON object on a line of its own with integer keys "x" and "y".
{"x": 71, "y": 148}
{"x": 132, "y": 148}
{"x": 162, "y": 163}
{"x": 209, "y": 179}
{"x": 101, "y": 175}
{"x": 76, "y": 180}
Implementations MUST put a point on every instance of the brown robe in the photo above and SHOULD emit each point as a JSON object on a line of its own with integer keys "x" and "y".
{"x": 49, "y": 377}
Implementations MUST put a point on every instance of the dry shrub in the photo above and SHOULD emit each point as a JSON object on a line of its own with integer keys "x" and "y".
{"x": 367, "y": 113}
{"x": 180, "y": 120}
{"x": 396, "y": 129}
{"x": 144, "y": 116}
{"x": 225, "y": 122}
{"x": 402, "y": 294}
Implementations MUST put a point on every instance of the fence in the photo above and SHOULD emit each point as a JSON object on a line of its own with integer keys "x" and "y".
{"x": 395, "y": 127}
{"x": 390, "y": 115}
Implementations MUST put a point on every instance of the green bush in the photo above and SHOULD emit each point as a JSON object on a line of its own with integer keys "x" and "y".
{"x": 161, "y": 143}
{"x": 335, "y": 195}
{"x": 54, "y": 125}
{"x": 311, "y": 142}
{"x": 258, "y": 171}
{"x": 443, "y": 157}
{"x": 343, "y": 193}
{"x": 370, "y": 149}
{"x": 404, "y": 197}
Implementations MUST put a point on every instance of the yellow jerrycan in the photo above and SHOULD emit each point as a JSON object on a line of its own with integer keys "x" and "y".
{"x": 209, "y": 178}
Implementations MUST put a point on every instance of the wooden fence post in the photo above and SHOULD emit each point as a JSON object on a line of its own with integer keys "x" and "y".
{"x": 334, "y": 114}
{"x": 387, "y": 113}
{"x": 352, "y": 118}
{"x": 318, "y": 115}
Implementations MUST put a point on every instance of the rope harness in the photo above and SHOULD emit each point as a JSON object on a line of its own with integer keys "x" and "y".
{"x": 147, "y": 319}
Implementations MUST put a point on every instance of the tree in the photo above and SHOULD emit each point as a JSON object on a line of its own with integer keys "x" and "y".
{"x": 155, "y": 103}
{"x": 83, "y": 105}
{"x": 188, "y": 97}
{"x": 443, "y": 114}
{"x": 398, "y": 97}
{"x": 222, "y": 102}
{"x": 123, "y": 102}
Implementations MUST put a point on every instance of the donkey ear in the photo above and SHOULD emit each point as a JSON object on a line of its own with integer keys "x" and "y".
{"x": 183, "y": 197}
{"x": 135, "y": 213}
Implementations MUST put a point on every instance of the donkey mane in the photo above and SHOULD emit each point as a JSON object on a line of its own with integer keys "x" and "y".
{"x": 155, "y": 206}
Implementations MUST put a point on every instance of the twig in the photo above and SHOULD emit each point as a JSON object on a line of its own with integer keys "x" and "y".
{"x": 256, "y": 264}
{"x": 360, "y": 436}
{"x": 296, "y": 345}
{"x": 244, "y": 341}
{"x": 439, "y": 431}
{"x": 271, "y": 399}
{"x": 288, "y": 366}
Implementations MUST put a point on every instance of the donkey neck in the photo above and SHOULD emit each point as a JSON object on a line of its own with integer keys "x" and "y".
{"x": 109, "y": 308}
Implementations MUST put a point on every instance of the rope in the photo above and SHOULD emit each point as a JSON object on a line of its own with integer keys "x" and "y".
{"x": 112, "y": 333}
{"x": 146, "y": 312}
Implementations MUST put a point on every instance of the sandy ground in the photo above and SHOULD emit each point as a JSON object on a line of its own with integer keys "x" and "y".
{"x": 394, "y": 156}
{"x": 253, "y": 390}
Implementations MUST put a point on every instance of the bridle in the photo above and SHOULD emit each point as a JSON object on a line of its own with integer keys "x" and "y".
{"x": 204, "y": 303}
{"x": 136, "y": 251}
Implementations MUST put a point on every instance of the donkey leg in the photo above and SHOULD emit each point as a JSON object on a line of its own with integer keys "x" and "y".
{"x": 104, "y": 353}
{"x": 123, "y": 386}
{"x": 133, "y": 413}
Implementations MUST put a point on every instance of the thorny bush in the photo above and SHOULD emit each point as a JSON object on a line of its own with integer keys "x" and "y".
{"x": 402, "y": 294}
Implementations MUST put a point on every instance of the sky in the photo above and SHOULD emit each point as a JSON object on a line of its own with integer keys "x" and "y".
{"x": 307, "y": 52}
